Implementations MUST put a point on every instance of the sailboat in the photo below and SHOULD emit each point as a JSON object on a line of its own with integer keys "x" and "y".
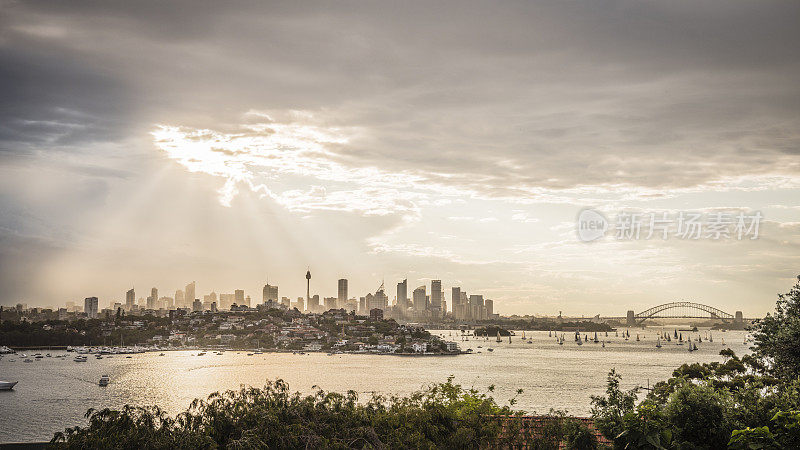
{"x": 550, "y": 333}
{"x": 658, "y": 343}
{"x": 523, "y": 335}
{"x": 710, "y": 337}
{"x": 509, "y": 338}
{"x": 498, "y": 336}
{"x": 604, "y": 343}
{"x": 637, "y": 337}
{"x": 595, "y": 337}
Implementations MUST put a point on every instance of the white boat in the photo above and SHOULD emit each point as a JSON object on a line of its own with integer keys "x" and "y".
{"x": 7, "y": 385}
{"x": 104, "y": 380}
{"x": 80, "y": 358}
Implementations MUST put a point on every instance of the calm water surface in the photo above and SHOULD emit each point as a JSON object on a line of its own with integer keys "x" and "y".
{"x": 55, "y": 393}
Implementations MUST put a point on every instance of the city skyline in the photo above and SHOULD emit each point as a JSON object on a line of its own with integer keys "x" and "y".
{"x": 135, "y": 150}
{"x": 270, "y": 292}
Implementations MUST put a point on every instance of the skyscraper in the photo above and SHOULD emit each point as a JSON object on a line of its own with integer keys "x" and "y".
{"x": 455, "y": 303}
{"x": 189, "y": 296}
{"x": 179, "y": 301}
{"x": 130, "y": 299}
{"x": 313, "y": 304}
{"x": 402, "y": 295}
{"x": 226, "y": 301}
{"x": 436, "y": 294}
{"x": 420, "y": 299}
{"x": 489, "y": 308}
{"x": 342, "y": 297}
{"x": 379, "y": 300}
{"x": 152, "y": 299}
{"x": 270, "y": 293}
{"x": 238, "y": 297}
{"x": 476, "y": 307}
{"x": 90, "y": 306}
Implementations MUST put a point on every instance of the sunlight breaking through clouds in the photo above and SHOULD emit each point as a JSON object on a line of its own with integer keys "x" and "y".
{"x": 290, "y": 163}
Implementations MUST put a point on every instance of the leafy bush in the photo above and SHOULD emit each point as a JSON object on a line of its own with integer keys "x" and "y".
{"x": 442, "y": 416}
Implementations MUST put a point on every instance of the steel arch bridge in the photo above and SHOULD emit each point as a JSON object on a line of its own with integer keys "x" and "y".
{"x": 682, "y": 310}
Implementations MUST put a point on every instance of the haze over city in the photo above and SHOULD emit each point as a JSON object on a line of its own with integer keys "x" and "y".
{"x": 156, "y": 144}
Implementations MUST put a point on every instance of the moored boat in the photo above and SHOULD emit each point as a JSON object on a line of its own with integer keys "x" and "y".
{"x": 7, "y": 385}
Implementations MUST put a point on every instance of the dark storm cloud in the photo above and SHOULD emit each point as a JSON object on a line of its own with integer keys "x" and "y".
{"x": 51, "y": 99}
{"x": 457, "y": 86}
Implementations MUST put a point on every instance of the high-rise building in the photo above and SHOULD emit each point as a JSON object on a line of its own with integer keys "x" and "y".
{"x": 313, "y": 304}
{"x": 197, "y": 305}
{"x": 179, "y": 301}
{"x": 154, "y": 293}
{"x": 436, "y": 298}
{"x": 420, "y": 298}
{"x": 226, "y": 301}
{"x": 476, "y": 307}
{"x": 166, "y": 303}
{"x": 330, "y": 303}
{"x": 189, "y": 295}
{"x": 436, "y": 294}
{"x": 270, "y": 293}
{"x": 378, "y": 301}
{"x": 342, "y": 297}
{"x": 455, "y": 302}
{"x": 455, "y": 298}
{"x": 130, "y": 299}
{"x": 238, "y": 297}
{"x": 90, "y": 307}
{"x": 402, "y": 295}
{"x": 489, "y": 306}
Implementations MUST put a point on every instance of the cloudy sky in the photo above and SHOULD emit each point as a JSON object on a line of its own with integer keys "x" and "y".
{"x": 155, "y": 143}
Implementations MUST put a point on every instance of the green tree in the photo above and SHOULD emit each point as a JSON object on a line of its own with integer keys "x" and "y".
{"x": 777, "y": 336}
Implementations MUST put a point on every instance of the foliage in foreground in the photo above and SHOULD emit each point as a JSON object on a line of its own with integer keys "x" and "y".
{"x": 751, "y": 402}
{"x": 442, "y": 416}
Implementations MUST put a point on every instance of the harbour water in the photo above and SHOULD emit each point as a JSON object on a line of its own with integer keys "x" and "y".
{"x": 54, "y": 393}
